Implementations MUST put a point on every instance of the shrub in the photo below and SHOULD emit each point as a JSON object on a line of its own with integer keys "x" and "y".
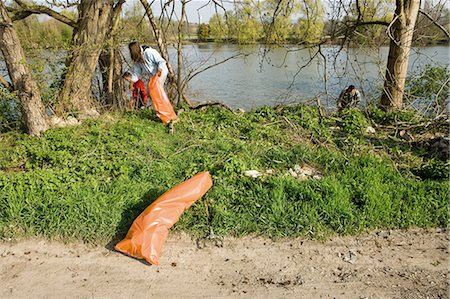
{"x": 353, "y": 121}
{"x": 10, "y": 113}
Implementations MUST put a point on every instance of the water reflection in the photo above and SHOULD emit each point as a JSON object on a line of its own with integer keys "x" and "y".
{"x": 277, "y": 75}
{"x": 285, "y": 76}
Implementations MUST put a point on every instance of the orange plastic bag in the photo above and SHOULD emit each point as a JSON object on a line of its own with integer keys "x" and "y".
{"x": 161, "y": 103}
{"x": 149, "y": 230}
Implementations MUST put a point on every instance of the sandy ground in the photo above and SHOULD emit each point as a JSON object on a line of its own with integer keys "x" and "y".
{"x": 387, "y": 264}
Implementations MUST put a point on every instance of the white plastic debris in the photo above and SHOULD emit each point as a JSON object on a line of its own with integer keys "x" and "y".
{"x": 252, "y": 173}
{"x": 317, "y": 176}
{"x": 56, "y": 121}
{"x": 304, "y": 172}
{"x": 370, "y": 130}
{"x": 293, "y": 173}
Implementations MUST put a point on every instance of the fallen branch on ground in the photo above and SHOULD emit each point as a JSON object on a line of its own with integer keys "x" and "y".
{"x": 209, "y": 103}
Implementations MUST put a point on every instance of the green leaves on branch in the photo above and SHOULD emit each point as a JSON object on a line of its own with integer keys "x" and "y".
{"x": 270, "y": 21}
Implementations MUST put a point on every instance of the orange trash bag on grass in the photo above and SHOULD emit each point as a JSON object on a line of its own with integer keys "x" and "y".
{"x": 161, "y": 103}
{"x": 149, "y": 230}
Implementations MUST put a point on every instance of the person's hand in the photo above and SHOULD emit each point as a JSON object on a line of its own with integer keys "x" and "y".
{"x": 159, "y": 72}
{"x": 131, "y": 86}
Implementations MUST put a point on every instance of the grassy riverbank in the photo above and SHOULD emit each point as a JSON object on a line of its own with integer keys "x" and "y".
{"x": 89, "y": 182}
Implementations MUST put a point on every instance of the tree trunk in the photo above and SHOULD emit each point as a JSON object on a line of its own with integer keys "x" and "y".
{"x": 161, "y": 41}
{"x": 114, "y": 87}
{"x": 179, "y": 54}
{"x": 32, "y": 108}
{"x": 92, "y": 28}
{"x": 401, "y": 34}
{"x": 111, "y": 62}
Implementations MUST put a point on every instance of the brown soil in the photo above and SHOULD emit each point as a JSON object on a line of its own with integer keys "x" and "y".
{"x": 386, "y": 264}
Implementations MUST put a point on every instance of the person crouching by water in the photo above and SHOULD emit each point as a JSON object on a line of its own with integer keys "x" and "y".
{"x": 147, "y": 61}
{"x": 349, "y": 97}
{"x": 139, "y": 96}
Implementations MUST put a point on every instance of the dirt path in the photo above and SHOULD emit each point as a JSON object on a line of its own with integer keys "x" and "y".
{"x": 395, "y": 264}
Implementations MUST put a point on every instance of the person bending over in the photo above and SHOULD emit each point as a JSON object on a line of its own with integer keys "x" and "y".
{"x": 138, "y": 92}
{"x": 349, "y": 97}
{"x": 147, "y": 61}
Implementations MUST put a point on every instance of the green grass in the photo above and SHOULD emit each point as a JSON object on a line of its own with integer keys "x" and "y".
{"x": 89, "y": 182}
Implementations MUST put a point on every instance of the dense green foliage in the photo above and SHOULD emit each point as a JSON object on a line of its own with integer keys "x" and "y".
{"x": 89, "y": 182}
{"x": 203, "y": 32}
{"x": 10, "y": 116}
{"x": 43, "y": 34}
{"x": 251, "y": 22}
{"x": 429, "y": 85}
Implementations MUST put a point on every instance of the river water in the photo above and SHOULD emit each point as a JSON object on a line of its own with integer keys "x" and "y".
{"x": 279, "y": 75}
{"x": 283, "y": 75}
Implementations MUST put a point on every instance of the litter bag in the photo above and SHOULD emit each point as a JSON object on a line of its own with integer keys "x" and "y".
{"x": 161, "y": 103}
{"x": 149, "y": 230}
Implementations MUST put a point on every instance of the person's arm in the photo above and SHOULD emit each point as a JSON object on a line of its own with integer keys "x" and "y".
{"x": 340, "y": 100}
{"x": 135, "y": 74}
{"x": 357, "y": 99}
{"x": 160, "y": 62}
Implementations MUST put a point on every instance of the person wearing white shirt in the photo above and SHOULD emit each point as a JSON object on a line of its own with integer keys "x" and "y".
{"x": 147, "y": 62}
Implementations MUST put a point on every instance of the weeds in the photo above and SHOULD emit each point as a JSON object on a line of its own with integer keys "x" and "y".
{"x": 89, "y": 182}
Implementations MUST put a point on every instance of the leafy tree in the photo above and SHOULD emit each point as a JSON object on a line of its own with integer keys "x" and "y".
{"x": 309, "y": 27}
{"x": 218, "y": 29}
{"x": 43, "y": 34}
{"x": 371, "y": 11}
{"x": 247, "y": 28}
{"x": 276, "y": 19}
{"x": 203, "y": 32}
{"x": 134, "y": 26}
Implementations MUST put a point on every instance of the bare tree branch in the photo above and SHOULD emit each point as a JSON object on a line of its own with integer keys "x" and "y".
{"x": 360, "y": 24}
{"x": 388, "y": 30}
{"x": 117, "y": 9}
{"x": 17, "y": 15}
{"x": 435, "y": 23}
{"x": 160, "y": 40}
{"x": 311, "y": 59}
{"x": 26, "y": 10}
{"x": 219, "y": 4}
{"x": 358, "y": 8}
{"x": 192, "y": 75}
